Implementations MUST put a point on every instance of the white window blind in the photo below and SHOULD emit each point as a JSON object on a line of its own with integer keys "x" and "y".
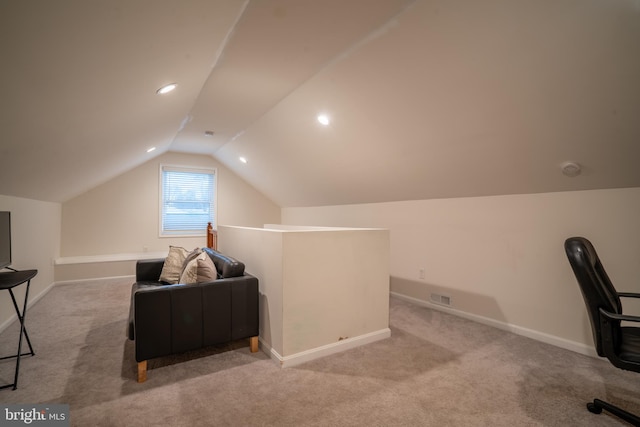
{"x": 187, "y": 200}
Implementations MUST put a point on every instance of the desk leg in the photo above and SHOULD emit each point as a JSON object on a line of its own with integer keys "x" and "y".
{"x": 22, "y": 331}
{"x": 20, "y": 318}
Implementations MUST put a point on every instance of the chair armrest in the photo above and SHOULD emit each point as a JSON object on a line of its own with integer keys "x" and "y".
{"x": 614, "y": 316}
{"x": 628, "y": 295}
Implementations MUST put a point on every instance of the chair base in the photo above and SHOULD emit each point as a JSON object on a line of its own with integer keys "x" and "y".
{"x": 598, "y": 405}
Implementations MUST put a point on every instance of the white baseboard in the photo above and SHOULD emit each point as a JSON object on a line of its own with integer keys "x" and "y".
{"x": 325, "y": 350}
{"x": 529, "y": 333}
{"x": 98, "y": 279}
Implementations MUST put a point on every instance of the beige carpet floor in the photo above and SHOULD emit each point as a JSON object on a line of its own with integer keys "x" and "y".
{"x": 435, "y": 370}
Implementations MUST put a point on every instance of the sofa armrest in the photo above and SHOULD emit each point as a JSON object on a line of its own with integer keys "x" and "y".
{"x": 151, "y": 321}
{"x": 149, "y": 270}
{"x": 244, "y": 307}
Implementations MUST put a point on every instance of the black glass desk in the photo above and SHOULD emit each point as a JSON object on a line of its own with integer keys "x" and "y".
{"x": 8, "y": 281}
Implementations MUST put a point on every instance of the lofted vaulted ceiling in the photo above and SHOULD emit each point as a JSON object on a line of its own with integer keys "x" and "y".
{"x": 427, "y": 99}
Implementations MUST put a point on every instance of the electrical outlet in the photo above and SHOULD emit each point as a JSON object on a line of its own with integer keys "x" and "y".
{"x": 421, "y": 273}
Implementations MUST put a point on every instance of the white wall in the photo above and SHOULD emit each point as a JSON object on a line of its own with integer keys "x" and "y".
{"x": 35, "y": 238}
{"x": 321, "y": 290}
{"x": 121, "y": 216}
{"x": 501, "y": 259}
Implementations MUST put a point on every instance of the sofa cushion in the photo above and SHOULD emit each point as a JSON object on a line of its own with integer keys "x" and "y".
{"x": 189, "y": 272}
{"x": 198, "y": 268}
{"x": 206, "y": 270}
{"x": 172, "y": 267}
{"x": 190, "y": 257}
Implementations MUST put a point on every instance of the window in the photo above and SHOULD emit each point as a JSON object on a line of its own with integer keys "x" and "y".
{"x": 187, "y": 200}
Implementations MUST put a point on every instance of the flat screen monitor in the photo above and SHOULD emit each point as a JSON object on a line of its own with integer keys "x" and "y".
{"x": 5, "y": 239}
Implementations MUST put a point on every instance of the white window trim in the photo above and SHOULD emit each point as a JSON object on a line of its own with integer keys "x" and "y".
{"x": 193, "y": 169}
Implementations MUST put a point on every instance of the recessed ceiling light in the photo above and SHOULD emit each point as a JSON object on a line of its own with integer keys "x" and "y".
{"x": 243, "y": 159}
{"x": 166, "y": 88}
{"x": 150, "y": 149}
{"x": 324, "y": 119}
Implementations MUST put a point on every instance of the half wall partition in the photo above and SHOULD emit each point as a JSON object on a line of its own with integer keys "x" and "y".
{"x": 322, "y": 290}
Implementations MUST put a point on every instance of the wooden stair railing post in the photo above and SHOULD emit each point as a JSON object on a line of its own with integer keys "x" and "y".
{"x": 212, "y": 237}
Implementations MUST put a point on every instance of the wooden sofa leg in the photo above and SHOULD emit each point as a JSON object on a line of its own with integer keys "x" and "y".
{"x": 253, "y": 344}
{"x": 142, "y": 371}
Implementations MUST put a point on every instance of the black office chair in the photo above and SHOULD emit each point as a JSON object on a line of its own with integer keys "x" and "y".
{"x": 619, "y": 344}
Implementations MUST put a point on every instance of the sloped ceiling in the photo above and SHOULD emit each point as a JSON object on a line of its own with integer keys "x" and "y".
{"x": 427, "y": 99}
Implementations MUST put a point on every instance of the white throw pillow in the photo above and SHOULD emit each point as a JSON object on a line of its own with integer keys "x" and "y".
{"x": 190, "y": 271}
{"x": 207, "y": 271}
{"x": 172, "y": 267}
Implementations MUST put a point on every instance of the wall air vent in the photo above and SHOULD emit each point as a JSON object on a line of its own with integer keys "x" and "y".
{"x": 441, "y": 299}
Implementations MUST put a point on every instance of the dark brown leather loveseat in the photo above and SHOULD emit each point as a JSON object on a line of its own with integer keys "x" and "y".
{"x": 169, "y": 319}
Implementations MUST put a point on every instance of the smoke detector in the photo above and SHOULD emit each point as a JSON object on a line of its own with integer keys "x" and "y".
{"x": 571, "y": 169}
